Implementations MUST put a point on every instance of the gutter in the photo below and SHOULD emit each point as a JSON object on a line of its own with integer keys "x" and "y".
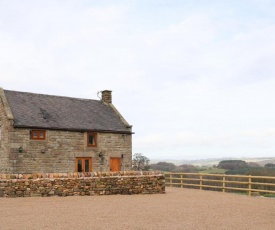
{"x": 74, "y": 129}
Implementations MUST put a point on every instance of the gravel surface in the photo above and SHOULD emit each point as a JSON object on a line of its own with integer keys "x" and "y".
{"x": 177, "y": 209}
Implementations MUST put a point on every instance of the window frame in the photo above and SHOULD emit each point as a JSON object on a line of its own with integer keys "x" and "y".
{"x": 38, "y": 131}
{"x": 95, "y": 139}
{"x": 83, "y": 163}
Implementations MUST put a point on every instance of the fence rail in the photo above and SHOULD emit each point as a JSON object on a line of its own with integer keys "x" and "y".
{"x": 221, "y": 182}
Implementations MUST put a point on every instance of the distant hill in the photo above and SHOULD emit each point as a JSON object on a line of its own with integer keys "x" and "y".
{"x": 263, "y": 162}
{"x": 215, "y": 161}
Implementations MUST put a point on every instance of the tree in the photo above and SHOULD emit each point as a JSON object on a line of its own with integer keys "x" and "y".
{"x": 140, "y": 162}
{"x": 186, "y": 168}
{"x": 269, "y": 165}
{"x": 163, "y": 166}
{"x": 232, "y": 164}
{"x": 253, "y": 164}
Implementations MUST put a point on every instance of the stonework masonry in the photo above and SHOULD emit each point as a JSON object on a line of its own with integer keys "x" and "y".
{"x": 5, "y": 124}
{"x": 107, "y": 96}
{"x": 79, "y": 184}
{"x": 58, "y": 152}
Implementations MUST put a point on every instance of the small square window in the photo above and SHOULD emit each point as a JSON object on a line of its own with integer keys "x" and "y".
{"x": 91, "y": 139}
{"x": 38, "y": 134}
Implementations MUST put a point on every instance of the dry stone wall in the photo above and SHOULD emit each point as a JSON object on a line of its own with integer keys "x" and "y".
{"x": 81, "y": 184}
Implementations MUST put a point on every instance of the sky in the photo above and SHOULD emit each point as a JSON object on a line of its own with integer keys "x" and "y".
{"x": 195, "y": 78}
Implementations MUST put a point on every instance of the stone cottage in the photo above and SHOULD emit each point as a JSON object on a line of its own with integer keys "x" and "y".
{"x": 47, "y": 134}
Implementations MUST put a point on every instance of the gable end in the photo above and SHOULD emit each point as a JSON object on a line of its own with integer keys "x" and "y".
{"x": 6, "y": 105}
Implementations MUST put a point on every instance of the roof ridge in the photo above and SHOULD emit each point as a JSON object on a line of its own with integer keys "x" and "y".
{"x": 50, "y": 95}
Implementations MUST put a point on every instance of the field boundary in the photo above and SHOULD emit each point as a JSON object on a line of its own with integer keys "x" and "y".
{"x": 79, "y": 184}
{"x": 222, "y": 182}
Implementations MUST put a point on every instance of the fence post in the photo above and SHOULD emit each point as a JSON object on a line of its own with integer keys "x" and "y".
{"x": 223, "y": 184}
{"x": 200, "y": 182}
{"x": 171, "y": 180}
{"x": 181, "y": 180}
{"x": 249, "y": 185}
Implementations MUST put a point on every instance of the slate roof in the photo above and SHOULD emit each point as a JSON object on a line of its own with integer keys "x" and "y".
{"x": 32, "y": 110}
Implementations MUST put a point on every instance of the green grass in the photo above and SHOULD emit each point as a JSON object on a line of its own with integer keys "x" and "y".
{"x": 269, "y": 195}
{"x": 241, "y": 193}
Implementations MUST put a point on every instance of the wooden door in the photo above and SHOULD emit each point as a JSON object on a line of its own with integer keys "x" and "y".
{"x": 115, "y": 163}
{"x": 83, "y": 164}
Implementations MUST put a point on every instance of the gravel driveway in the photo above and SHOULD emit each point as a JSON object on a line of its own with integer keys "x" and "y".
{"x": 177, "y": 209}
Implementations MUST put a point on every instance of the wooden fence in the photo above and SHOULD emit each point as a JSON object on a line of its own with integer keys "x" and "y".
{"x": 222, "y": 182}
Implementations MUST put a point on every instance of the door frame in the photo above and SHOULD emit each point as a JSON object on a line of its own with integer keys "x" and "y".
{"x": 119, "y": 163}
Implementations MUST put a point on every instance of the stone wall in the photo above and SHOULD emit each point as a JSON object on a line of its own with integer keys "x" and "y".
{"x": 5, "y": 123}
{"x": 79, "y": 184}
{"x": 57, "y": 153}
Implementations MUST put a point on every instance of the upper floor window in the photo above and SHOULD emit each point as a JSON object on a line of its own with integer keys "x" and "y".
{"x": 91, "y": 139}
{"x": 38, "y": 134}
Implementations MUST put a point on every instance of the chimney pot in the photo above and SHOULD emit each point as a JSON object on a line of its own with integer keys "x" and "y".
{"x": 106, "y": 96}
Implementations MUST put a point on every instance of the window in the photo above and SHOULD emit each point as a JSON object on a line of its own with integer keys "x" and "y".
{"x": 91, "y": 139}
{"x": 83, "y": 164}
{"x": 38, "y": 134}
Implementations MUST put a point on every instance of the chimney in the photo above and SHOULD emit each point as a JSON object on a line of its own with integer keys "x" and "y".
{"x": 106, "y": 96}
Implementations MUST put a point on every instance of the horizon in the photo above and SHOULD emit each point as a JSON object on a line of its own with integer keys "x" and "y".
{"x": 213, "y": 158}
{"x": 210, "y": 162}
